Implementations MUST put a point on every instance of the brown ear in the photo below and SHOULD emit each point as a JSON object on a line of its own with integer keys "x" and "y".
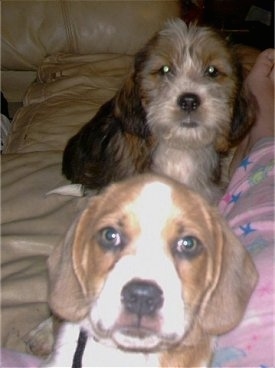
{"x": 236, "y": 277}
{"x": 244, "y": 116}
{"x": 130, "y": 100}
{"x": 246, "y": 105}
{"x": 129, "y": 108}
{"x": 66, "y": 295}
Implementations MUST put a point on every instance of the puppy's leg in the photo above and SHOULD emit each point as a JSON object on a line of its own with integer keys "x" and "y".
{"x": 40, "y": 341}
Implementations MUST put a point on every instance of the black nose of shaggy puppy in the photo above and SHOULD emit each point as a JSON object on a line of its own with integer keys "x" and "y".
{"x": 140, "y": 297}
{"x": 189, "y": 102}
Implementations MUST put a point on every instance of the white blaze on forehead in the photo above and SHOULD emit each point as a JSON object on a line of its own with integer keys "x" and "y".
{"x": 153, "y": 206}
{"x": 153, "y": 209}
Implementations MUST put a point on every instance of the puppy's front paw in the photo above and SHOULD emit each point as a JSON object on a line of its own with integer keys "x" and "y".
{"x": 40, "y": 341}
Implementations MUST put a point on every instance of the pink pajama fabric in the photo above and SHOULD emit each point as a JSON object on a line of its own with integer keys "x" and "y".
{"x": 248, "y": 206}
{"x": 14, "y": 359}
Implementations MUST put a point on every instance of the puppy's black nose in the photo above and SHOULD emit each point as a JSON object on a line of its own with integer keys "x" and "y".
{"x": 140, "y": 297}
{"x": 189, "y": 102}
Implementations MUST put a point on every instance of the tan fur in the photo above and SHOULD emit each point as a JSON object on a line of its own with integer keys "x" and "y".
{"x": 209, "y": 289}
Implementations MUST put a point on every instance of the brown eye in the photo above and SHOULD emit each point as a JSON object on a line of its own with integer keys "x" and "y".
{"x": 187, "y": 247}
{"x": 211, "y": 71}
{"x": 110, "y": 239}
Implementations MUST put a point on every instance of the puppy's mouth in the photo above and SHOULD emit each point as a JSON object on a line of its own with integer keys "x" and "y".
{"x": 137, "y": 335}
{"x": 136, "y": 338}
{"x": 189, "y": 124}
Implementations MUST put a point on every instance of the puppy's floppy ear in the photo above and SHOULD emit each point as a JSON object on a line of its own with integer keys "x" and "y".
{"x": 129, "y": 108}
{"x": 246, "y": 105}
{"x": 244, "y": 115}
{"x": 67, "y": 296}
{"x": 131, "y": 99}
{"x": 235, "y": 279}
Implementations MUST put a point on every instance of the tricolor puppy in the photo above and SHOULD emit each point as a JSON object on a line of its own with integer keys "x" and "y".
{"x": 147, "y": 276}
{"x": 182, "y": 106}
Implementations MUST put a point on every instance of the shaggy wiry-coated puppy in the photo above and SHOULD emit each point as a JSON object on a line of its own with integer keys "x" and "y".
{"x": 141, "y": 282}
{"x": 182, "y": 106}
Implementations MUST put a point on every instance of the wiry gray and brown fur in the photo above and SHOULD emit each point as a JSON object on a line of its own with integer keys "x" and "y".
{"x": 181, "y": 108}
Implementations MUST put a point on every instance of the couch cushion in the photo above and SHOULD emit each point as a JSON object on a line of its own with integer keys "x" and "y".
{"x": 68, "y": 92}
{"x": 32, "y": 225}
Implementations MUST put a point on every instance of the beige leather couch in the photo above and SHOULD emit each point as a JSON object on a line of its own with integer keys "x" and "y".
{"x": 63, "y": 59}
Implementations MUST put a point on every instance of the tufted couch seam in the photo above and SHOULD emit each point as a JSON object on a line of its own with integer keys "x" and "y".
{"x": 67, "y": 19}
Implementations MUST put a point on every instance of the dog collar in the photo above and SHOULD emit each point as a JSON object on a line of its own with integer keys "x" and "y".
{"x": 80, "y": 347}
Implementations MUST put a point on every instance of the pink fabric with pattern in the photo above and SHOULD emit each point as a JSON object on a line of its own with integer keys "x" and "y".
{"x": 248, "y": 206}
